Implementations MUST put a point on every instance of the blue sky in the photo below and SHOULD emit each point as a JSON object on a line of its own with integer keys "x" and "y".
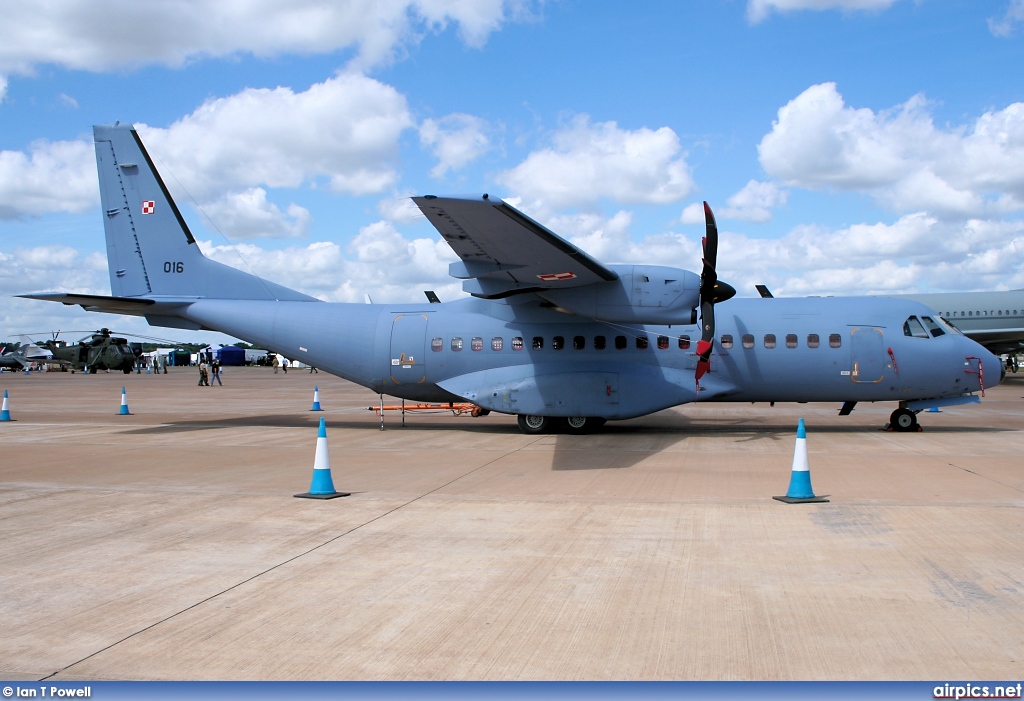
{"x": 847, "y": 146}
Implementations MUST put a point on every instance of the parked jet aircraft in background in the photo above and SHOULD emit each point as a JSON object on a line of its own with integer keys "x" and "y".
{"x": 26, "y": 354}
{"x": 548, "y": 334}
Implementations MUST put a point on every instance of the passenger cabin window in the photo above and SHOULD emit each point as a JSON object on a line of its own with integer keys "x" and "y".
{"x": 812, "y": 340}
{"x": 436, "y": 344}
{"x": 599, "y": 342}
{"x": 620, "y": 343}
{"x": 557, "y": 343}
{"x": 748, "y": 340}
{"x": 932, "y": 327}
{"x": 579, "y": 342}
{"x": 456, "y": 344}
{"x": 912, "y": 327}
{"x": 662, "y": 342}
{"x": 769, "y": 340}
{"x": 538, "y": 343}
{"x": 497, "y": 342}
{"x": 835, "y": 340}
{"x": 477, "y": 344}
{"x": 684, "y": 343}
{"x": 726, "y": 340}
{"x": 517, "y": 343}
{"x": 641, "y": 342}
{"x": 791, "y": 341}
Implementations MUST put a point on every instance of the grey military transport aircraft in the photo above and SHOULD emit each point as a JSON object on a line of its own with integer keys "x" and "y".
{"x": 549, "y": 334}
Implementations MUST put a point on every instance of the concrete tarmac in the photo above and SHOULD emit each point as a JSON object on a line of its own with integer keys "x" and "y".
{"x": 168, "y": 545}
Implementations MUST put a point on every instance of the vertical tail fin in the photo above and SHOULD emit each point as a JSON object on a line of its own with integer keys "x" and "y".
{"x": 150, "y": 250}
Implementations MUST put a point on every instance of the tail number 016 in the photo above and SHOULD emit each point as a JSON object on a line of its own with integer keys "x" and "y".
{"x": 174, "y": 267}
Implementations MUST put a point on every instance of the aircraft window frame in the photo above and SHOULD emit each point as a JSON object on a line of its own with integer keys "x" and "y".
{"x": 684, "y": 342}
{"x": 813, "y": 340}
{"x": 538, "y": 343}
{"x": 725, "y": 340}
{"x": 770, "y": 341}
{"x": 747, "y": 340}
{"x": 476, "y": 343}
{"x": 835, "y": 340}
{"x": 456, "y": 344}
{"x": 436, "y": 344}
{"x": 934, "y": 329}
{"x": 662, "y": 342}
{"x": 913, "y": 328}
{"x": 517, "y": 343}
{"x": 558, "y": 343}
{"x": 642, "y": 343}
{"x": 497, "y": 343}
{"x": 579, "y": 342}
{"x": 950, "y": 328}
{"x": 792, "y": 340}
{"x": 600, "y": 342}
{"x": 621, "y": 343}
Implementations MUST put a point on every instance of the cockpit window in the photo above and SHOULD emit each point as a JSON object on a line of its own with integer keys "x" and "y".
{"x": 949, "y": 326}
{"x": 934, "y": 328}
{"x": 912, "y": 327}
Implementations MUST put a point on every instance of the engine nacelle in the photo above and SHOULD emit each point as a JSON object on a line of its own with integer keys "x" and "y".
{"x": 643, "y": 294}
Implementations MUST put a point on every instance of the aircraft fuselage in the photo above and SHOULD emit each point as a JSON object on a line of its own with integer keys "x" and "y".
{"x": 514, "y": 358}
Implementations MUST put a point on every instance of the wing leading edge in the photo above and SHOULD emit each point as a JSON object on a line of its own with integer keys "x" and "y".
{"x": 504, "y": 252}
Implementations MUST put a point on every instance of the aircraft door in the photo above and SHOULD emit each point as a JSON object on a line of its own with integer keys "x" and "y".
{"x": 867, "y": 351}
{"x": 408, "y": 349}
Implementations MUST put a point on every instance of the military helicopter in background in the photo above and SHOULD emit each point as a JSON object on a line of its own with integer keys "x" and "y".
{"x": 97, "y": 351}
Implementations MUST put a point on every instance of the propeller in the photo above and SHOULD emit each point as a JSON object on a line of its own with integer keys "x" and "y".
{"x": 711, "y": 293}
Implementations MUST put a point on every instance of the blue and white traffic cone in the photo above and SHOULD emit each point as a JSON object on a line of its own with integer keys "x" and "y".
{"x": 316, "y": 399}
{"x": 800, "y": 491}
{"x": 322, "y": 486}
{"x": 5, "y": 413}
{"x": 124, "y": 404}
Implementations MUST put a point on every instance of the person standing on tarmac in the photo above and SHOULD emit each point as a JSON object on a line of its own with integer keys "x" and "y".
{"x": 215, "y": 370}
{"x": 204, "y": 373}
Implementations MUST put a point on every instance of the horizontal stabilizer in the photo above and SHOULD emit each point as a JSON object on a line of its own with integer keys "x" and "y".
{"x": 122, "y": 305}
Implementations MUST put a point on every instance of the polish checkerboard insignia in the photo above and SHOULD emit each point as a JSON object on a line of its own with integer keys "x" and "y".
{"x": 549, "y": 277}
{"x": 148, "y": 206}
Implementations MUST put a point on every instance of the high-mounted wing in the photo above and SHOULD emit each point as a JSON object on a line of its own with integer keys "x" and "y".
{"x": 504, "y": 252}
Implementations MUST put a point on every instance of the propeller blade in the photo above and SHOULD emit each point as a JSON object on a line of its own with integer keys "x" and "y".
{"x": 709, "y": 291}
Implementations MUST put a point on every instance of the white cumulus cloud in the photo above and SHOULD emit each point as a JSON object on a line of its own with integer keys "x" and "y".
{"x": 898, "y": 155}
{"x": 379, "y": 261}
{"x": 1005, "y": 25}
{"x": 754, "y": 202}
{"x": 52, "y": 176}
{"x": 344, "y": 130}
{"x": 589, "y": 162}
{"x": 77, "y": 34}
{"x": 758, "y": 10}
{"x": 249, "y": 214}
{"x": 456, "y": 140}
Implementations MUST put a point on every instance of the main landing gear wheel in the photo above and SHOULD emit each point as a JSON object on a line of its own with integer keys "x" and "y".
{"x": 903, "y": 420}
{"x": 531, "y": 424}
{"x": 579, "y": 425}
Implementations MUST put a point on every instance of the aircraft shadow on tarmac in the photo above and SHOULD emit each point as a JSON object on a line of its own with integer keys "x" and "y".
{"x": 635, "y": 441}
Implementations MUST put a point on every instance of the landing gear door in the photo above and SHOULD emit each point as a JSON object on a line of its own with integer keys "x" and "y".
{"x": 408, "y": 349}
{"x": 867, "y": 350}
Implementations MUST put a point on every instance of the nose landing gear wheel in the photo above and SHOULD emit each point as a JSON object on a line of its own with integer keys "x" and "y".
{"x": 903, "y": 421}
{"x": 531, "y": 424}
